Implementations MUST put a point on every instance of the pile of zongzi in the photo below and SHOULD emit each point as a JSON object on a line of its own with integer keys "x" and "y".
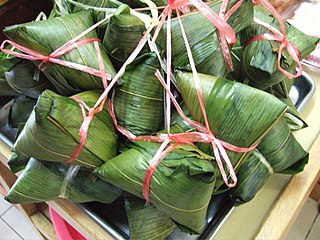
{"x": 94, "y": 120}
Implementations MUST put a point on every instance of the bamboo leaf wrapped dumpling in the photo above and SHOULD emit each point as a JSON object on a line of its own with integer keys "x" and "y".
{"x": 99, "y": 9}
{"x": 52, "y": 131}
{"x": 181, "y": 186}
{"x": 259, "y": 61}
{"x": 26, "y": 79}
{"x": 123, "y": 34}
{"x": 278, "y": 152}
{"x": 138, "y": 103}
{"x": 237, "y": 114}
{"x": 46, "y": 181}
{"x": 145, "y": 220}
{"x": 48, "y": 35}
{"x": 203, "y": 39}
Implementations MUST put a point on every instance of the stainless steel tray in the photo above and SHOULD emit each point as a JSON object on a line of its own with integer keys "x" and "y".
{"x": 112, "y": 217}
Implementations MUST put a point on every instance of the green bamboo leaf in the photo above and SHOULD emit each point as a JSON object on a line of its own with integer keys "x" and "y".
{"x": 96, "y": 5}
{"x": 123, "y": 34}
{"x": 7, "y": 62}
{"x": 5, "y": 89}
{"x": 21, "y": 110}
{"x": 278, "y": 152}
{"x": 142, "y": 3}
{"x": 203, "y": 39}
{"x": 297, "y": 167}
{"x": 237, "y": 113}
{"x": 181, "y": 186}
{"x": 138, "y": 102}
{"x": 280, "y": 147}
{"x": 100, "y": 10}
{"x": 292, "y": 115}
{"x": 17, "y": 162}
{"x": 47, "y": 36}
{"x": 282, "y": 88}
{"x": 52, "y": 131}
{"x": 45, "y": 181}
{"x": 146, "y": 221}
{"x": 26, "y": 79}
{"x": 252, "y": 174}
{"x": 260, "y": 57}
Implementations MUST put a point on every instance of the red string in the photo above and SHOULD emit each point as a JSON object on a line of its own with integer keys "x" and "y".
{"x": 278, "y": 36}
{"x": 84, "y": 129}
{"x": 74, "y": 43}
{"x": 203, "y": 135}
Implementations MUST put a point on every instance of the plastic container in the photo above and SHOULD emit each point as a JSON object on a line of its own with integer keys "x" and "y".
{"x": 63, "y": 229}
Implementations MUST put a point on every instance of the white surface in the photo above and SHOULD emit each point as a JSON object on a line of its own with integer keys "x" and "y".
{"x": 14, "y": 225}
{"x": 305, "y": 223}
{"x": 4, "y": 205}
{"x": 7, "y": 233}
{"x": 314, "y": 234}
{"x": 20, "y": 223}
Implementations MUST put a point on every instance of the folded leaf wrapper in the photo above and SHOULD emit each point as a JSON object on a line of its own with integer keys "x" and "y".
{"x": 48, "y": 35}
{"x": 98, "y": 8}
{"x": 278, "y": 152}
{"x": 138, "y": 102}
{"x": 5, "y": 88}
{"x": 181, "y": 186}
{"x": 146, "y": 221}
{"x": 17, "y": 162}
{"x": 282, "y": 150}
{"x": 123, "y": 34}
{"x": 260, "y": 58}
{"x": 52, "y": 131}
{"x": 27, "y": 80}
{"x": 20, "y": 111}
{"x": 252, "y": 174}
{"x": 237, "y": 114}
{"x": 203, "y": 39}
{"x": 44, "y": 181}
{"x": 73, "y": 6}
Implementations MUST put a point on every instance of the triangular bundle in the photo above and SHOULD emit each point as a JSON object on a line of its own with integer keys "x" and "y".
{"x": 47, "y": 36}
{"x": 45, "y": 181}
{"x": 181, "y": 186}
{"x": 237, "y": 113}
{"x": 260, "y": 58}
{"x": 203, "y": 39}
{"x": 138, "y": 102}
{"x": 278, "y": 152}
{"x": 123, "y": 34}
{"x": 52, "y": 131}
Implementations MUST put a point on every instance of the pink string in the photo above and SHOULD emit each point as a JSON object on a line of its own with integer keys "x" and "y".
{"x": 74, "y": 43}
{"x": 227, "y": 33}
{"x": 219, "y": 152}
{"x": 204, "y": 134}
{"x": 32, "y": 55}
{"x": 278, "y": 36}
{"x": 84, "y": 129}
